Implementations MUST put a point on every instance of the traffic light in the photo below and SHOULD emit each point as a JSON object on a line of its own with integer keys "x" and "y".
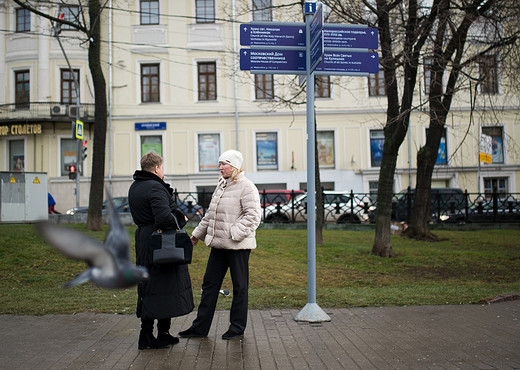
{"x": 73, "y": 171}
{"x": 84, "y": 150}
{"x": 57, "y": 27}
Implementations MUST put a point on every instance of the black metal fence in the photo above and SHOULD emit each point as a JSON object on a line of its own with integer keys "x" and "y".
{"x": 450, "y": 205}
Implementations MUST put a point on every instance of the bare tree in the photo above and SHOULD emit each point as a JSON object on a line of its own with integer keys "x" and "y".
{"x": 465, "y": 32}
{"x": 92, "y": 33}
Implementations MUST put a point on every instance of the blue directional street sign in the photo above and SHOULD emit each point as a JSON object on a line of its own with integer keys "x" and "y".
{"x": 316, "y": 23}
{"x": 344, "y": 63}
{"x": 272, "y": 61}
{"x": 316, "y": 52}
{"x": 272, "y": 34}
{"x": 344, "y": 36}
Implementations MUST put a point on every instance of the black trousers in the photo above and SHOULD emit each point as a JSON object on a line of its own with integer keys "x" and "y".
{"x": 218, "y": 263}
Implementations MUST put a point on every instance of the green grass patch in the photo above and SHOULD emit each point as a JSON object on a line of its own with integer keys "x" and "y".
{"x": 464, "y": 267}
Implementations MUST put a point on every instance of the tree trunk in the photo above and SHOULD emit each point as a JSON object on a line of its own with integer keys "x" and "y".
{"x": 421, "y": 211}
{"x": 382, "y": 246}
{"x": 100, "y": 125}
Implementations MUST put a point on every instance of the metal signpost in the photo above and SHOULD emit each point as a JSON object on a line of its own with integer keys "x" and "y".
{"x": 306, "y": 49}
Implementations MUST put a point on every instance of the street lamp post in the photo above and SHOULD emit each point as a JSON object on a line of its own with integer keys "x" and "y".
{"x": 57, "y": 31}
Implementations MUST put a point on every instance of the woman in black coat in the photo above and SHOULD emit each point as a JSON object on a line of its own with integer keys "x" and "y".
{"x": 168, "y": 292}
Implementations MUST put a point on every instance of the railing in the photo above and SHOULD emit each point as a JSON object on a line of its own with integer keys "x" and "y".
{"x": 48, "y": 111}
{"x": 291, "y": 207}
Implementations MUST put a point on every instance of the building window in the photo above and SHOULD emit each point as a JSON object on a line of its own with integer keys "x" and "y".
{"x": 495, "y": 185}
{"x": 427, "y": 74}
{"x": 22, "y": 89}
{"x": 151, "y": 143}
{"x": 209, "y": 151}
{"x": 442, "y": 153}
{"x": 68, "y": 152}
{"x": 23, "y": 20}
{"x": 207, "y": 72}
{"x": 70, "y": 14}
{"x": 497, "y": 143}
{"x": 149, "y": 12}
{"x": 267, "y": 151}
{"x": 322, "y": 86}
{"x": 488, "y": 74}
{"x": 376, "y": 83}
{"x": 16, "y": 155}
{"x": 373, "y": 187}
{"x": 262, "y": 10}
{"x": 325, "y": 141}
{"x": 205, "y": 11}
{"x": 377, "y": 140}
{"x": 264, "y": 87}
{"x": 150, "y": 83}
{"x": 68, "y": 87}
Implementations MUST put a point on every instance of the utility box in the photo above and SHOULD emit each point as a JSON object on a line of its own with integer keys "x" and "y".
{"x": 23, "y": 196}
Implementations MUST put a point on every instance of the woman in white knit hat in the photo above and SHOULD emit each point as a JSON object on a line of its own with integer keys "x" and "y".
{"x": 229, "y": 228}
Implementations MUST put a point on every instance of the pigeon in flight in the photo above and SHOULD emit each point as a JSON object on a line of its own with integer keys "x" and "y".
{"x": 109, "y": 263}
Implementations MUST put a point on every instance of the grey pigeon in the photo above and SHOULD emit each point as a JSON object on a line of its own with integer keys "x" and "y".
{"x": 225, "y": 292}
{"x": 109, "y": 263}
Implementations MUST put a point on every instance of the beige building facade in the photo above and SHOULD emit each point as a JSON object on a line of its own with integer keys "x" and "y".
{"x": 175, "y": 87}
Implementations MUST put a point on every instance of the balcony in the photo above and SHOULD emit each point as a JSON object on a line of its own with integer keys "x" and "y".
{"x": 45, "y": 112}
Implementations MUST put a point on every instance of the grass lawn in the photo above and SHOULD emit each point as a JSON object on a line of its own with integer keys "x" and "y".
{"x": 465, "y": 267}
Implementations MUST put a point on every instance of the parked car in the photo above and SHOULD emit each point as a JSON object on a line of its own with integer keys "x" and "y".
{"x": 192, "y": 211}
{"x": 339, "y": 207}
{"x": 443, "y": 203}
{"x": 484, "y": 210}
{"x": 120, "y": 203}
{"x": 268, "y": 197}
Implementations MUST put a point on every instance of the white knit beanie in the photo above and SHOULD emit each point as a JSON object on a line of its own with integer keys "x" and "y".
{"x": 232, "y": 157}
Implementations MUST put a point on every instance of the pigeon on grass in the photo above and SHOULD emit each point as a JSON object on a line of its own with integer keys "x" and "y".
{"x": 109, "y": 262}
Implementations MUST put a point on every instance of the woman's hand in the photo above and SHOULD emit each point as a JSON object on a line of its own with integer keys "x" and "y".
{"x": 194, "y": 240}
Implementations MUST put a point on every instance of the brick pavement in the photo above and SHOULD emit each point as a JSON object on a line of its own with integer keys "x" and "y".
{"x": 416, "y": 337}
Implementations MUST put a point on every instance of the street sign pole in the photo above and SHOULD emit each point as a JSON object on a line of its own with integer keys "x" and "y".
{"x": 311, "y": 312}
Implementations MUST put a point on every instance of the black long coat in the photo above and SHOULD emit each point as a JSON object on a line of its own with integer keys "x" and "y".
{"x": 168, "y": 292}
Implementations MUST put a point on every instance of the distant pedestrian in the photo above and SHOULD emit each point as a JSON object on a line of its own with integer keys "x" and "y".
{"x": 229, "y": 228}
{"x": 51, "y": 203}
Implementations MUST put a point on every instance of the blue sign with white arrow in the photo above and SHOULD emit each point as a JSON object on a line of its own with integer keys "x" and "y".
{"x": 272, "y": 34}
{"x": 344, "y": 36}
{"x": 272, "y": 61}
{"x": 341, "y": 62}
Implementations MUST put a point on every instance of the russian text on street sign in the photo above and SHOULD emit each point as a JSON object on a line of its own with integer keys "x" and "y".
{"x": 316, "y": 38}
{"x": 293, "y": 62}
{"x": 273, "y": 61}
{"x": 344, "y": 36}
{"x": 342, "y": 62}
{"x": 273, "y": 34}
{"x": 293, "y": 35}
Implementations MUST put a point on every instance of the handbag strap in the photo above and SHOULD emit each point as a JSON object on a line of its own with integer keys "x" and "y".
{"x": 176, "y": 223}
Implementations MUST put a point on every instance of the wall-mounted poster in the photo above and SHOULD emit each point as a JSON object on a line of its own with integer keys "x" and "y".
{"x": 377, "y": 140}
{"x": 325, "y": 141}
{"x": 266, "y": 151}
{"x": 209, "y": 151}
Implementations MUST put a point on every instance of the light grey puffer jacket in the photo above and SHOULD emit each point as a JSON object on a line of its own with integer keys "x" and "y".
{"x": 232, "y": 217}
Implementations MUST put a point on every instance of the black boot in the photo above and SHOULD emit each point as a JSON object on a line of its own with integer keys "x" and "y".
{"x": 146, "y": 338}
{"x": 163, "y": 335}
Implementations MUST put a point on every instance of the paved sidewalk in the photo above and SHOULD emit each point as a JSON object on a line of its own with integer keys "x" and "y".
{"x": 418, "y": 337}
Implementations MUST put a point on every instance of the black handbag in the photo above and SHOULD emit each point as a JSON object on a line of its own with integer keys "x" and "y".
{"x": 171, "y": 246}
